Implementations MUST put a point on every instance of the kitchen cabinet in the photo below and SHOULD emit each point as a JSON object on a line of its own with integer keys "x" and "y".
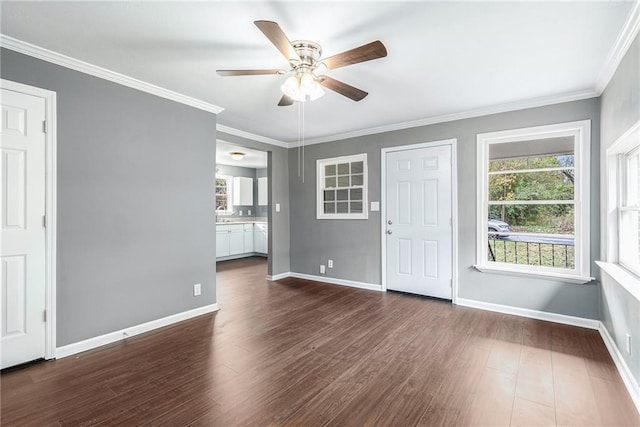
{"x": 263, "y": 191}
{"x": 222, "y": 243}
{"x": 242, "y": 191}
{"x": 260, "y": 238}
{"x": 229, "y": 239}
{"x": 248, "y": 238}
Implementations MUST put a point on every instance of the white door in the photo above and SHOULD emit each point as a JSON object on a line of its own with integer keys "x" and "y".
{"x": 419, "y": 221}
{"x": 22, "y": 250}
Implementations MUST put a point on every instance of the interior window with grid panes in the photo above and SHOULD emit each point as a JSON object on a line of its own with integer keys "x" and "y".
{"x": 343, "y": 187}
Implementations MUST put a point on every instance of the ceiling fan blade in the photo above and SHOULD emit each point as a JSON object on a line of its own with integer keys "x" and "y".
{"x": 343, "y": 88}
{"x": 367, "y": 52}
{"x": 285, "y": 101}
{"x": 246, "y": 72}
{"x": 275, "y": 34}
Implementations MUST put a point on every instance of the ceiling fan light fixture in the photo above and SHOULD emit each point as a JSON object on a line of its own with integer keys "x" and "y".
{"x": 302, "y": 88}
{"x": 237, "y": 155}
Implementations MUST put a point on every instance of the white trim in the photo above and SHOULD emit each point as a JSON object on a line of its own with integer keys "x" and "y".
{"x": 581, "y": 131}
{"x": 531, "y": 314}
{"x": 129, "y": 332}
{"x": 334, "y": 281}
{"x": 627, "y": 280}
{"x": 625, "y": 39}
{"x": 103, "y": 73}
{"x": 252, "y": 136}
{"x": 280, "y": 276}
{"x": 502, "y": 108}
{"x": 51, "y": 185}
{"x": 623, "y": 369}
{"x": 454, "y": 207}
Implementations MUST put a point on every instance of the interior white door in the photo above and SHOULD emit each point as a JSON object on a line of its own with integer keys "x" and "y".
{"x": 22, "y": 248}
{"x": 419, "y": 221}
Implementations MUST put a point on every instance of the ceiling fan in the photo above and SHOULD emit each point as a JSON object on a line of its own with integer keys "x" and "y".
{"x": 305, "y": 64}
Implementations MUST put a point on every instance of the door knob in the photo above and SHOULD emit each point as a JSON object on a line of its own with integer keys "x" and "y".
{"x": 389, "y": 232}
{"x": 389, "y": 222}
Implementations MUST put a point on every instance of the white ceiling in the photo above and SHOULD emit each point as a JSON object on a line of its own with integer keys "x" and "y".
{"x": 252, "y": 159}
{"x": 444, "y": 57}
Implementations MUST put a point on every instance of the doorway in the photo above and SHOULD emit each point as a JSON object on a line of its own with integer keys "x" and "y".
{"x": 28, "y": 188}
{"x": 419, "y": 219}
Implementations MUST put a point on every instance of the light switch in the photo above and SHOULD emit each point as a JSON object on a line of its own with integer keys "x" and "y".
{"x": 375, "y": 206}
{"x": 277, "y": 207}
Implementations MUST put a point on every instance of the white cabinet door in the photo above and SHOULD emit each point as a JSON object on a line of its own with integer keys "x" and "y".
{"x": 236, "y": 242}
{"x": 260, "y": 242}
{"x": 222, "y": 242}
{"x": 242, "y": 191}
{"x": 263, "y": 191}
{"x": 248, "y": 238}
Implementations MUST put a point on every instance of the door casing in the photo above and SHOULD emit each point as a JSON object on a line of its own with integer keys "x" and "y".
{"x": 50, "y": 206}
{"x": 454, "y": 207}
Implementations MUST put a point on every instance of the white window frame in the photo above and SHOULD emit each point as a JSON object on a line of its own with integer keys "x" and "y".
{"x": 229, "y": 179}
{"x": 581, "y": 131}
{"x": 615, "y": 179}
{"x": 320, "y": 165}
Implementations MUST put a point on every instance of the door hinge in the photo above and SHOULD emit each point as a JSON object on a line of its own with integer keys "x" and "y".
{"x": 45, "y": 128}
{"x": 44, "y": 316}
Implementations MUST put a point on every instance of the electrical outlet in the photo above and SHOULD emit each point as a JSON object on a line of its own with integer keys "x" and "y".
{"x": 628, "y": 341}
{"x": 197, "y": 289}
{"x": 330, "y": 263}
{"x": 249, "y": 212}
{"x": 322, "y": 269}
{"x": 240, "y": 213}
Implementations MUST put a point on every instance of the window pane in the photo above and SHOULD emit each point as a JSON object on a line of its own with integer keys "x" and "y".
{"x": 355, "y": 194}
{"x": 357, "y": 180}
{"x": 343, "y": 169}
{"x": 329, "y": 195}
{"x": 329, "y": 208}
{"x": 543, "y": 219}
{"x": 330, "y": 170}
{"x": 552, "y": 185}
{"x": 330, "y": 182}
{"x": 357, "y": 167}
{"x": 343, "y": 194}
{"x": 220, "y": 182}
{"x": 343, "y": 181}
{"x": 537, "y": 162}
{"x": 633, "y": 175}
{"x": 630, "y": 240}
{"x": 221, "y": 190}
{"x": 356, "y": 207}
{"x": 342, "y": 207}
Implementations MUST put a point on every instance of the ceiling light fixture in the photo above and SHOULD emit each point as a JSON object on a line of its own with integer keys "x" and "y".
{"x": 302, "y": 87}
{"x": 237, "y": 155}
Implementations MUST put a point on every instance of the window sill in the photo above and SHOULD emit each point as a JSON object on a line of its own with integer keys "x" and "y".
{"x": 627, "y": 280}
{"x": 535, "y": 274}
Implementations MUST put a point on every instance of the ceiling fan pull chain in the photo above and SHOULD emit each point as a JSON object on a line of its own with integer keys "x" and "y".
{"x": 303, "y": 142}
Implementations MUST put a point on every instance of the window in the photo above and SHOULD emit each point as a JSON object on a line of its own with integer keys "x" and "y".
{"x": 629, "y": 211}
{"x": 533, "y": 201}
{"x": 342, "y": 187}
{"x": 223, "y": 195}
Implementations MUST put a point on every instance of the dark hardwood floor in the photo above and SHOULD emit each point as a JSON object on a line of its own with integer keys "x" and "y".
{"x": 302, "y": 353}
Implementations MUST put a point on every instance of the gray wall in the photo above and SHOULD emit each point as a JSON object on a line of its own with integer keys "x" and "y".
{"x": 620, "y": 109}
{"x": 357, "y": 257}
{"x": 134, "y": 201}
{"x": 278, "y": 173}
{"x": 248, "y": 173}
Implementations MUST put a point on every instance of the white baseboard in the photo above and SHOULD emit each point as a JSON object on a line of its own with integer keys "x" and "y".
{"x": 279, "y": 276}
{"x": 532, "y": 314}
{"x": 625, "y": 372}
{"x": 334, "y": 281}
{"x": 111, "y": 337}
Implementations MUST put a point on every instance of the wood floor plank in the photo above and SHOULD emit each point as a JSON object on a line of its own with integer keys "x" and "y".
{"x": 299, "y": 352}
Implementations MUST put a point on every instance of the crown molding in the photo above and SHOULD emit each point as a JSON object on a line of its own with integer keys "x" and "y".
{"x": 502, "y": 108}
{"x": 252, "y": 136}
{"x": 103, "y": 73}
{"x": 623, "y": 42}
